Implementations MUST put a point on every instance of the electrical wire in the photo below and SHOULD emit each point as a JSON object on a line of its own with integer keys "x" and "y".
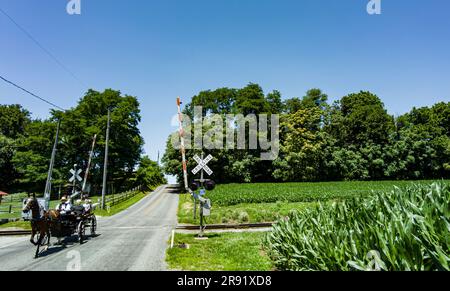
{"x": 32, "y": 94}
{"x": 41, "y": 47}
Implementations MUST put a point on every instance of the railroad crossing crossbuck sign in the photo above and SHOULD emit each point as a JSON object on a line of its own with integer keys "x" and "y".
{"x": 75, "y": 175}
{"x": 202, "y": 165}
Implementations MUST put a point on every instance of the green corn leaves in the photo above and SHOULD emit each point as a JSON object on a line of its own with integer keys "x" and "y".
{"x": 405, "y": 229}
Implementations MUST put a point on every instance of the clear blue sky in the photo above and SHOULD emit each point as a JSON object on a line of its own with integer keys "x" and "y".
{"x": 158, "y": 50}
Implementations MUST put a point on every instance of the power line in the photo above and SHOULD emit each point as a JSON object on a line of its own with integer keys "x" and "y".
{"x": 41, "y": 47}
{"x": 32, "y": 94}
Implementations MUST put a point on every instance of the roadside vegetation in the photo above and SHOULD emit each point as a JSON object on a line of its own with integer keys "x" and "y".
{"x": 26, "y": 145}
{"x": 353, "y": 138}
{"x": 221, "y": 252}
{"x": 404, "y": 229}
{"x": 268, "y": 202}
{"x": 113, "y": 210}
{"x": 238, "y": 214}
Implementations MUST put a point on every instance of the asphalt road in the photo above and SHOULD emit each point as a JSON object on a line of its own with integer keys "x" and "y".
{"x": 135, "y": 239}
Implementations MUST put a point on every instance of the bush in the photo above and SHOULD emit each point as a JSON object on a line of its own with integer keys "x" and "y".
{"x": 406, "y": 229}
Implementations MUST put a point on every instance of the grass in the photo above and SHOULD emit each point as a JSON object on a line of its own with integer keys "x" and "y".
{"x": 18, "y": 224}
{"x": 242, "y": 213}
{"x": 113, "y": 210}
{"x": 121, "y": 206}
{"x": 221, "y": 252}
{"x": 234, "y": 194}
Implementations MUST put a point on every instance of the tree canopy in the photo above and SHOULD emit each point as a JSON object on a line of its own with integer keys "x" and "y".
{"x": 352, "y": 139}
{"x": 26, "y": 144}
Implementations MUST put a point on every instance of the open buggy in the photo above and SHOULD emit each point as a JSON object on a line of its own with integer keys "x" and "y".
{"x": 47, "y": 224}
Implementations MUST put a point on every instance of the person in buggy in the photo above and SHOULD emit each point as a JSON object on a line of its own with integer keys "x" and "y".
{"x": 65, "y": 207}
{"x": 86, "y": 203}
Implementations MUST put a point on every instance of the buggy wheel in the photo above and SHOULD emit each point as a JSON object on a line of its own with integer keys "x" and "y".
{"x": 43, "y": 243}
{"x": 81, "y": 231}
{"x": 93, "y": 227}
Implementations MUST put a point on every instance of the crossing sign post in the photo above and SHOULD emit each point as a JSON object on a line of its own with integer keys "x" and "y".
{"x": 75, "y": 176}
{"x": 205, "y": 204}
{"x": 202, "y": 165}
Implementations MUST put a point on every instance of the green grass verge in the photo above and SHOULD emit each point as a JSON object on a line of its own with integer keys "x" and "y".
{"x": 19, "y": 224}
{"x": 121, "y": 206}
{"x": 113, "y": 210}
{"x": 242, "y": 213}
{"x": 221, "y": 252}
{"x": 17, "y": 212}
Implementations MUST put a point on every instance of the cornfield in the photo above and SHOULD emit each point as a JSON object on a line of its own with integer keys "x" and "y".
{"x": 234, "y": 194}
{"x": 407, "y": 229}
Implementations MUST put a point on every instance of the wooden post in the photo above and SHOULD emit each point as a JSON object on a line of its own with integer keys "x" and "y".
{"x": 105, "y": 165}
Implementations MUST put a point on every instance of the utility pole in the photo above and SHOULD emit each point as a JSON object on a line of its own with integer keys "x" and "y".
{"x": 86, "y": 174}
{"x": 48, "y": 185}
{"x": 105, "y": 166}
{"x": 74, "y": 180}
{"x": 183, "y": 148}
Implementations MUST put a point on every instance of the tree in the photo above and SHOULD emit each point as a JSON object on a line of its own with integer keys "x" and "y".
{"x": 315, "y": 98}
{"x": 292, "y": 105}
{"x": 13, "y": 120}
{"x": 32, "y": 157}
{"x": 251, "y": 100}
{"x": 149, "y": 174}
{"x": 7, "y": 170}
{"x": 275, "y": 103}
{"x": 90, "y": 117}
{"x": 301, "y": 146}
{"x": 220, "y": 101}
{"x": 359, "y": 119}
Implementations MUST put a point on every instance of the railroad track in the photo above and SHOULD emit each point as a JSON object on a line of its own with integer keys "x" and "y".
{"x": 15, "y": 232}
{"x": 227, "y": 226}
{"x": 180, "y": 227}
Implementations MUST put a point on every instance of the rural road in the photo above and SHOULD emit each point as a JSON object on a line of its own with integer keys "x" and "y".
{"x": 135, "y": 240}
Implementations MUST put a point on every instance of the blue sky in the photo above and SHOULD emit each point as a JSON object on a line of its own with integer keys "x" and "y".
{"x": 158, "y": 50}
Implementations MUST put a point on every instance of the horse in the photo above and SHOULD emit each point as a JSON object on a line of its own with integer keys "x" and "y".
{"x": 39, "y": 224}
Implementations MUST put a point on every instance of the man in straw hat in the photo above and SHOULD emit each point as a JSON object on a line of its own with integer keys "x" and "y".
{"x": 65, "y": 206}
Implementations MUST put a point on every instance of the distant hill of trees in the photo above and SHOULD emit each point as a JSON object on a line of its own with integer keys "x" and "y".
{"x": 26, "y": 144}
{"x": 352, "y": 139}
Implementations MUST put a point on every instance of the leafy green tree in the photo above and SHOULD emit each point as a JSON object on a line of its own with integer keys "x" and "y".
{"x": 7, "y": 170}
{"x": 292, "y": 105}
{"x": 359, "y": 119}
{"x": 149, "y": 174}
{"x": 32, "y": 157}
{"x": 81, "y": 123}
{"x": 220, "y": 101}
{"x": 275, "y": 102}
{"x": 251, "y": 100}
{"x": 315, "y": 98}
{"x": 13, "y": 120}
{"x": 301, "y": 146}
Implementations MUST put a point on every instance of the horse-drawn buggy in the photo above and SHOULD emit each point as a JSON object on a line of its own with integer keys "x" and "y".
{"x": 63, "y": 222}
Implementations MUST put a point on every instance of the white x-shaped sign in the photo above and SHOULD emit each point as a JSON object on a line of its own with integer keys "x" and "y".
{"x": 202, "y": 164}
{"x": 75, "y": 175}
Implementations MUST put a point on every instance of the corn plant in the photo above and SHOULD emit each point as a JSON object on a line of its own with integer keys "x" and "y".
{"x": 405, "y": 229}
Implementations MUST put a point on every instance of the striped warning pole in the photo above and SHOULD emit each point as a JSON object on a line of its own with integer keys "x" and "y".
{"x": 183, "y": 147}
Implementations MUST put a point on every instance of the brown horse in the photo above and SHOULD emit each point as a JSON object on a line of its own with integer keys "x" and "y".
{"x": 39, "y": 224}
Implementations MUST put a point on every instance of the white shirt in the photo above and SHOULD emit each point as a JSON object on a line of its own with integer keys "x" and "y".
{"x": 64, "y": 207}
